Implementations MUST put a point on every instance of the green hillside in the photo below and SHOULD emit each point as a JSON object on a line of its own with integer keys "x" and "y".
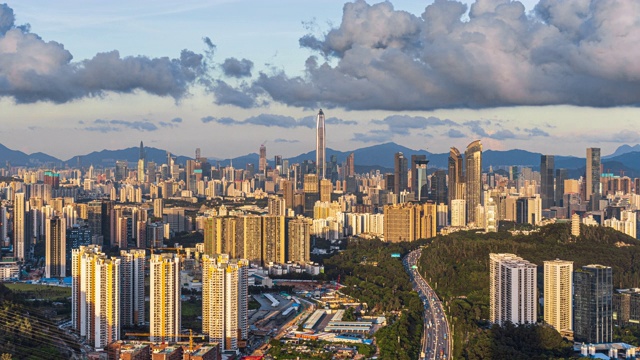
{"x": 457, "y": 266}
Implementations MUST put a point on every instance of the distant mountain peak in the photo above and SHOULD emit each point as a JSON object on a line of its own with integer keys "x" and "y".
{"x": 624, "y": 149}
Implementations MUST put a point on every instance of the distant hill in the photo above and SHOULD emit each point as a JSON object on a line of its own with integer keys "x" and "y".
{"x": 623, "y": 149}
{"x": 132, "y": 154}
{"x": 625, "y": 160}
{"x": 16, "y": 157}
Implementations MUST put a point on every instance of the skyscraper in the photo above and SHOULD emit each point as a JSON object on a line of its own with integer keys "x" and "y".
{"x": 299, "y": 240}
{"x": 321, "y": 159}
{"x": 141, "y": 165}
{"x": 561, "y": 176}
{"x": 55, "y": 252}
{"x": 20, "y": 242}
{"x": 400, "y": 173}
{"x": 164, "y": 294}
{"x": 512, "y": 289}
{"x": 455, "y": 189}
{"x": 438, "y": 187}
{"x": 593, "y": 172}
{"x": 224, "y": 300}
{"x": 546, "y": 181}
{"x": 95, "y": 296}
{"x": 593, "y": 304}
{"x": 558, "y": 299}
{"x": 262, "y": 164}
{"x": 132, "y": 292}
{"x": 418, "y": 173}
{"x": 349, "y": 167}
{"x": 473, "y": 178}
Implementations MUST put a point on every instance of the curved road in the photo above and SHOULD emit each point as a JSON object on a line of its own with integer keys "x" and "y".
{"x": 436, "y": 341}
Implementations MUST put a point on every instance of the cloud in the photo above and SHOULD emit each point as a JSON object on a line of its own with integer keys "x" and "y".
{"x": 497, "y": 132}
{"x": 33, "y": 70}
{"x": 402, "y": 124}
{"x": 372, "y": 136}
{"x": 455, "y": 134}
{"x": 105, "y": 126}
{"x": 225, "y": 94}
{"x": 624, "y": 136}
{"x": 536, "y": 132}
{"x": 286, "y": 141}
{"x": 577, "y": 52}
{"x": 176, "y": 120}
{"x": 273, "y": 120}
{"x": 237, "y": 68}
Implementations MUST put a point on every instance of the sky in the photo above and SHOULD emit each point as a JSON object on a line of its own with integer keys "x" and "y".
{"x": 554, "y": 76}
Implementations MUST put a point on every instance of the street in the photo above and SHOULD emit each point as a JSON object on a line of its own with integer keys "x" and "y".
{"x": 436, "y": 339}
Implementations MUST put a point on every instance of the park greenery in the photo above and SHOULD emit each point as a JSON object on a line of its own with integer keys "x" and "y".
{"x": 457, "y": 266}
{"x": 371, "y": 275}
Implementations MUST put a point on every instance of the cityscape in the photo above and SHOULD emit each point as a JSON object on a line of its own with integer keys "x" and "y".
{"x": 300, "y": 221}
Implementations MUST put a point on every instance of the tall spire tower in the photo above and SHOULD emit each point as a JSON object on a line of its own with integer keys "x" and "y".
{"x": 321, "y": 160}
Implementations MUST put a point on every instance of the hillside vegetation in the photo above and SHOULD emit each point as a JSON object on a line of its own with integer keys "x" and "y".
{"x": 457, "y": 266}
{"x": 374, "y": 277}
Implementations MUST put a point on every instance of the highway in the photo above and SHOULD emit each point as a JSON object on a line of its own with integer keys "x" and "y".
{"x": 436, "y": 339}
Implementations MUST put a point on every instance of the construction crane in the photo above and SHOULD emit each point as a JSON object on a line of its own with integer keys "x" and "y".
{"x": 190, "y": 336}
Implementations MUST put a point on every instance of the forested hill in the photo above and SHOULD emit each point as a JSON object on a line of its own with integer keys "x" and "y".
{"x": 459, "y": 265}
{"x": 25, "y": 334}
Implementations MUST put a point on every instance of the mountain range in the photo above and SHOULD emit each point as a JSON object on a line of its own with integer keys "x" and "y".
{"x": 626, "y": 158}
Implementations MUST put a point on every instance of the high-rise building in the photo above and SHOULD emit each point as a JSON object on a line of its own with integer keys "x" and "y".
{"x": 438, "y": 189}
{"x": 262, "y": 164}
{"x": 409, "y": 222}
{"x": 321, "y": 156}
{"x": 311, "y": 193}
{"x": 273, "y": 239}
{"x": 575, "y": 225}
{"x": 225, "y": 300}
{"x": 561, "y": 176}
{"x": 458, "y": 213}
{"x": 593, "y": 172}
{"x": 547, "y": 169}
{"x": 249, "y": 235}
{"x": 132, "y": 291}
{"x": 55, "y": 252}
{"x": 558, "y": 298}
{"x": 400, "y": 173}
{"x": 349, "y": 167}
{"x": 95, "y": 296}
{"x": 20, "y": 241}
{"x": 593, "y": 304}
{"x": 165, "y": 308}
{"x": 473, "y": 178}
{"x": 299, "y": 240}
{"x": 326, "y": 188}
{"x": 158, "y": 208}
{"x": 418, "y": 174}
{"x": 121, "y": 170}
{"x": 512, "y": 289}
{"x": 455, "y": 189}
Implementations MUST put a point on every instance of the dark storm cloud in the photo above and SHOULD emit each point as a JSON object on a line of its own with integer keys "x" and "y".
{"x": 33, "y": 70}
{"x": 578, "y": 52}
{"x": 237, "y": 68}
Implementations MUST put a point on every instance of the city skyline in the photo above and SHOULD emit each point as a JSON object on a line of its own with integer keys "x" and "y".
{"x": 209, "y": 96}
